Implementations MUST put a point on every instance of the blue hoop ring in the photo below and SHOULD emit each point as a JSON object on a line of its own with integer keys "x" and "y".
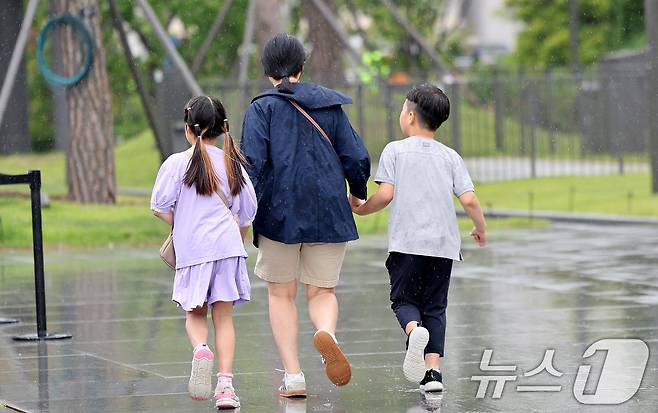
{"x": 87, "y": 40}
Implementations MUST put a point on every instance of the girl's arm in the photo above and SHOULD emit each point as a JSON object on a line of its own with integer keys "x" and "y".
{"x": 245, "y": 206}
{"x": 166, "y": 189}
{"x": 167, "y": 217}
{"x": 378, "y": 201}
{"x": 243, "y": 232}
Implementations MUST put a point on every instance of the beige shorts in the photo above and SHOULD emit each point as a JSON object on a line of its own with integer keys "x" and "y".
{"x": 317, "y": 264}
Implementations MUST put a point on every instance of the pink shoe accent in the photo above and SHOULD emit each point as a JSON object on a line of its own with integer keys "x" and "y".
{"x": 226, "y": 399}
{"x": 200, "y": 384}
{"x": 204, "y": 353}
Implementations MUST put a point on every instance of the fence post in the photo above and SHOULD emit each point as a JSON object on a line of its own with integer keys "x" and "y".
{"x": 522, "y": 111}
{"x": 499, "y": 116}
{"x": 388, "y": 103}
{"x": 455, "y": 114}
{"x": 548, "y": 107}
{"x": 360, "y": 110}
{"x": 533, "y": 96}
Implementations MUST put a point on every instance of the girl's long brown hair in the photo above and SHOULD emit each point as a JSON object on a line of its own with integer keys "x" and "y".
{"x": 206, "y": 117}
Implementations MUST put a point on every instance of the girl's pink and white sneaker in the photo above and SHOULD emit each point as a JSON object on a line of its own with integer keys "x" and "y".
{"x": 200, "y": 384}
{"x": 225, "y": 398}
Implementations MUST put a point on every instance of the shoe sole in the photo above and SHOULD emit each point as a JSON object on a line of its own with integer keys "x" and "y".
{"x": 414, "y": 361}
{"x": 337, "y": 366}
{"x": 200, "y": 384}
{"x": 227, "y": 404}
{"x": 433, "y": 386}
{"x": 293, "y": 394}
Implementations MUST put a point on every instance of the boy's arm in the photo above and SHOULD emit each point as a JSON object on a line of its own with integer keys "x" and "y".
{"x": 378, "y": 201}
{"x": 472, "y": 207}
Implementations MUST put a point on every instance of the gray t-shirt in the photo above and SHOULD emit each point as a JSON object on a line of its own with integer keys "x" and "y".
{"x": 426, "y": 175}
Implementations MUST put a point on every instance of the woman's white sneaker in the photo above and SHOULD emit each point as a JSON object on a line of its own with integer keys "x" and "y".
{"x": 294, "y": 385}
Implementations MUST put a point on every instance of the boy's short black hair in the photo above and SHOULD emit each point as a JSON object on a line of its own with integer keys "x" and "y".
{"x": 431, "y": 105}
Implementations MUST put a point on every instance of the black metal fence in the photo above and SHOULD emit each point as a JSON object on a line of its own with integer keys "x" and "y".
{"x": 511, "y": 125}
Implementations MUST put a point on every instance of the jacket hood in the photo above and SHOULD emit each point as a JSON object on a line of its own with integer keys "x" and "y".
{"x": 310, "y": 96}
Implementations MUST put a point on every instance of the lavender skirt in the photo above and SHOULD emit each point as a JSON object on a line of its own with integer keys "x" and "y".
{"x": 222, "y": 280}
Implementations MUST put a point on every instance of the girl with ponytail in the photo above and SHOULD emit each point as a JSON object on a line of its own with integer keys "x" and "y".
{"x": 206, "y": 194}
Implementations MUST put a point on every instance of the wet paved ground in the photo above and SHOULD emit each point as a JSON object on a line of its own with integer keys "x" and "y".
{"x": 561, "y": 288}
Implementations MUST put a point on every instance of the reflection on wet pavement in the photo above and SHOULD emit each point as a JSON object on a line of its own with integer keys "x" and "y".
{"x": 560, "y": 288}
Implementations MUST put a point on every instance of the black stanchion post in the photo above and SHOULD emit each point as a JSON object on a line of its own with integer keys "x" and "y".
{"x": 34, "y": 179}
{"x": 37, "y": 247}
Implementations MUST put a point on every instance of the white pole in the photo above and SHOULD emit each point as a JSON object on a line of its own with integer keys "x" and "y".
{"x": 16, "y": 56}
{"x": 171, "y": 50}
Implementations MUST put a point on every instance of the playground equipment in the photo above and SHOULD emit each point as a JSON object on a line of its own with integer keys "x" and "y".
{"x": 87, "y": 41}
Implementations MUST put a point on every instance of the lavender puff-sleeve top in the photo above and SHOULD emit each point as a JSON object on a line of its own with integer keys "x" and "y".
{"x": 205, "y": 229}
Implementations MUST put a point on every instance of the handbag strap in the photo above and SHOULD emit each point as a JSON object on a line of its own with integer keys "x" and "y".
{"x": 310, "y": 119}
{"x": 219, "y": 192}
{"x": 223, "y": 196}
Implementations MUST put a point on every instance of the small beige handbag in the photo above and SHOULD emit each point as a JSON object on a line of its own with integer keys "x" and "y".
{"x": 167, "y": 252}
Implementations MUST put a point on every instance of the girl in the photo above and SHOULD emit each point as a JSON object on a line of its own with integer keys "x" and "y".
{"x": 304, "y": 219}
{"x": 214, "y": 203}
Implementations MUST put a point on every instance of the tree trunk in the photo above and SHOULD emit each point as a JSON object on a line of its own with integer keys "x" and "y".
{"x": 90, "y": 160}
{"x": 327, "y": 57}
{"x": 270, "y": 21}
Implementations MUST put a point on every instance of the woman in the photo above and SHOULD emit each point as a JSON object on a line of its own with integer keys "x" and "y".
{"x": 304, "y": 218}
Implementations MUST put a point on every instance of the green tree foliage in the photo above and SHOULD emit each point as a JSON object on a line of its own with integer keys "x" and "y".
{"x": 604, "y": 26}
{"x": 399, "y": 50}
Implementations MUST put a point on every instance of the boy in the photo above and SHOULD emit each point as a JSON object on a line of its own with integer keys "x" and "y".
{"x": 420, "y": 175}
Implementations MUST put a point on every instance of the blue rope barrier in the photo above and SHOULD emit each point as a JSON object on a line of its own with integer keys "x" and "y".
{"x": 87, "y": 40}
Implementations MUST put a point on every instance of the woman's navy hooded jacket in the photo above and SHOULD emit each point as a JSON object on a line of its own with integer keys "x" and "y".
{"x": 299, "y": 177}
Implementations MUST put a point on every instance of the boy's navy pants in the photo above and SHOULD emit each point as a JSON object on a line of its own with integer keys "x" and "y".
{"x": 419, "y": 292}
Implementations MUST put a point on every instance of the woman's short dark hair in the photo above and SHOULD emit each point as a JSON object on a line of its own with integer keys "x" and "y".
{"x": 283, "y": 56}
{"x": 431, "y": 105}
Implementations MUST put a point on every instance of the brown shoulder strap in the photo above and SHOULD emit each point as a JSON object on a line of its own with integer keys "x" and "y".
{"x": 310, "y": 119}
{"x": 219, "y": 189}
{"x": 222, "y": 195}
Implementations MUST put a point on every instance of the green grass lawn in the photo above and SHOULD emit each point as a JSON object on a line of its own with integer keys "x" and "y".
{"x": 613, "y": 194}
{"x": 137, "y": 163}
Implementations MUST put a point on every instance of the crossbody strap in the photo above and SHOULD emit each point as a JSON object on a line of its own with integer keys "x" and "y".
{"x": 310, "y": 119}
{"x": 219, "y": 189}
{"x": 222, "y": 195}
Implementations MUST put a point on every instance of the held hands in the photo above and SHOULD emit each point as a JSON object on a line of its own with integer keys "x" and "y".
{"x": 356, "y": 203}
{"x": 480, "y": 236}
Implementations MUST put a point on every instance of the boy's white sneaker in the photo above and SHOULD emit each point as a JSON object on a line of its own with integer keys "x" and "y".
{"x": 414, "y": 361}
{"x": 294, "y": 385}
{"x": 432, "y": 382}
